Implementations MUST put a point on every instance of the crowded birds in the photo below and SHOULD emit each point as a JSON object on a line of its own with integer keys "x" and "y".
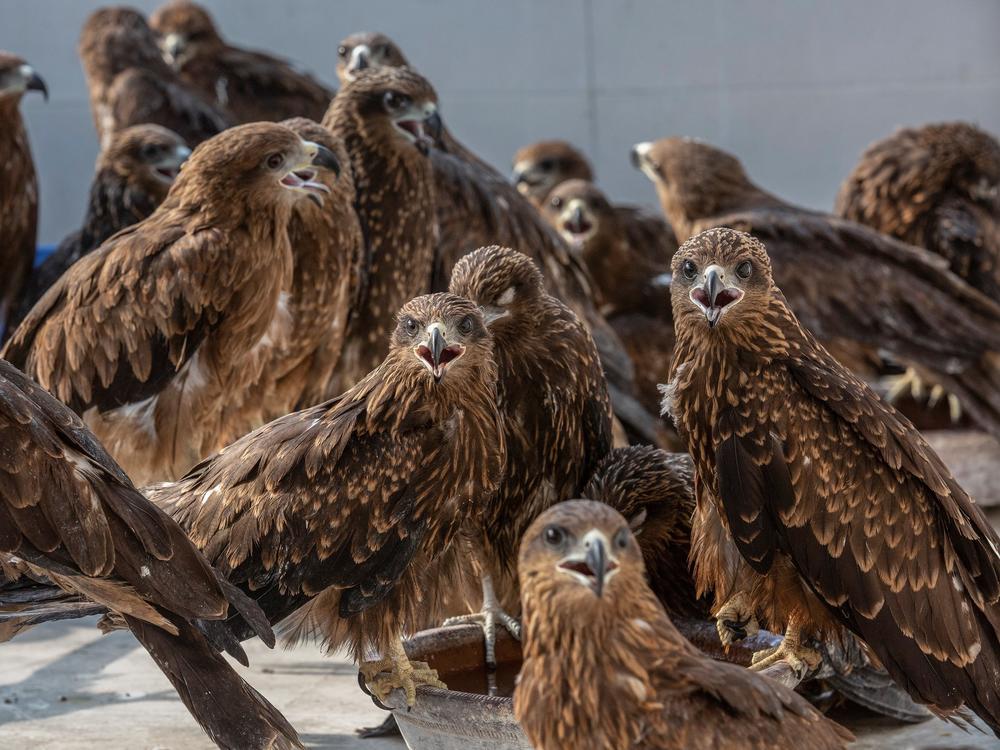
{"x": 149, "y": 335}
{"x": 70, "y": 518}
{"x": 819, "y": 507}
{"x": 554, "y": 411}
{"x": 852, "y": 287}
{"x": 129, "y": 83}
{"x": 387, "y": 120}
{"x": 604, "y": 667}
{"x": 249, "y": 86}
{"x": 347, "y": 514}
{"x": 366, "y": 50}
{"x": 132, "y": 177}
{"x": 18, "y": 184}
{"x": 540, "y": 167}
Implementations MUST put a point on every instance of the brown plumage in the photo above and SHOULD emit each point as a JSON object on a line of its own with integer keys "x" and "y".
{"x": 937, "y": 187}
{"x": 352, "y": 507}
{"x": 604, "y": 667}
{"x": 540, "y": 167}
{"x": 129, "y": 83}
{"x": 249, "y": 86}
{"x": 149, "y": 335}
{"x": 70, "y": 516}
{"x": 367, "y": 50}
{"x": 856, "y": 290}
{"x": 386, "y": 119}
{"x": 842, "y": 515}
{"x": 132, "y": 178}
{"x": 18, "y": 186}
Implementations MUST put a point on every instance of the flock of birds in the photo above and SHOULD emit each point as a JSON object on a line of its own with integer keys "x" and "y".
{"x": 358, "y": 374}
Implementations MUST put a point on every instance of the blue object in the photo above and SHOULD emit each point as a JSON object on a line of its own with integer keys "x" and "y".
{"x": 42, "y": 252}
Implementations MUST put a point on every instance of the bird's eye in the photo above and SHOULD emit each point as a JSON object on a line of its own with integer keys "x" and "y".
{"x": 466, "y": 325}
{"x": 621, "y": 539}
{"x": 384, "y": 50}
{"x": 690, "y": 269}
{"x": 342, "y": 50}
{"x": 410, "y": 326}
{"x": 148, "y": 152}
{"x": 554, "y": 535}
{"x": 546, "y": 165}
{"x": 274, "y": 161}
{"x": 556, "y": 202}
{"x": 744, "y": 269}
{"x": 394, "y": 100}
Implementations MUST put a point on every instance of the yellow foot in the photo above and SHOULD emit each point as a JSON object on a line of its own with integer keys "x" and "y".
{"x": 491, "y": 614}
{"x": 735, "y": 620}
{"x": 911, "y": 384}
{"x": 397, "y": 671}
{"x": 801, "y": 660}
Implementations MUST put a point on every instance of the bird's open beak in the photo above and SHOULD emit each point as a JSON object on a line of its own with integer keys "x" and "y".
{"x": 173, "y": 47}
{"x": 303, "y": 176}
{"x": 436, "y": 354}
{"x": 594, "y": 568}
{"x": 167, "y": 167}
{"x": 714, "y": 297}
{"x": 422, "y": 127}
{"x": 577, "y": 223}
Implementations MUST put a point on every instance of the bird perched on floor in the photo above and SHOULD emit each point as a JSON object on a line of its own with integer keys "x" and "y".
{"x": 249, "y": 86}
{"x": 132, "y": 178}
{"x": 149, "y": 335}
{"x": 130, "y": 84}
{"x": 349, "y": 511}
{"x": 554, "y": 411}
{"x": 835, "y": 511}
{"x": 387, "y": 120}
{"x": 19, "y": 185}
{"x": 853, "y": 288}
{"x": 632, "y": 292}
{"x": 367, "y": 50}
{"x": 937, "y": 187}
{"x": 605, "y": 667}
{"x": 540, "y": 167}
{"x": 69, "y": 516}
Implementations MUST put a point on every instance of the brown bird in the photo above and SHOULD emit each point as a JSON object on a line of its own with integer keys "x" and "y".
{"x": 387, "y": 119}
{"x": 19, "y": 185}
{"x": 554, "y": 409}
{"x": 69, "y": 516}
{"x": 540, "y": 167}
{"x": 349, "y": 511}
{"x": 249, "y": 86}
{"x": 132, "y": 178}
{"x": 819, "y": 507}
{"x": 129, "y": 83}
{"x": 632, "y": 292}
{"x": 149, "y": 335}
{"x": 604, "y": 667}
{"x": 367, "y": 50}
{"x": 859, "y": 292}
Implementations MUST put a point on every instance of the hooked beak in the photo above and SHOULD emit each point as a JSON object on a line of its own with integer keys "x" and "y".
{"x": 35, "y": 82}
{"x": 167, "y": 168}
{"x": 360, "y": 60}
{"x": 640, "y": 159}
{"x": 713, "y": 296}
{"x": 436, "y": 354}
{"x": 423, "y": 131}
{"x": 595, "y": 568}
{"x": 173, "y": 47}
{"x": 303, "y": 177}
{"x": 577, "y": 224}
{"x": 524, "y": 178}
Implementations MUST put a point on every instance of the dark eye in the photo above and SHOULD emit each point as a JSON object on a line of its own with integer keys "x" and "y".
{"x": 554, "y": 535}
{"x": 342, "y": 50}
{"x": 384, "y": 50}
{"x": 466, "y": 325}
{"x": 621, "y": 539}
{"x": 690, "y": 269}
{"x": 546, "y": 165}
{"x": 275, "y": 160}
{"x": 395, "y": 101}
{"x": 556, "y": 202}
{"x": 410, "y": 326}
{"x": 744, "y": 269}
{"x": 149, "y": 152}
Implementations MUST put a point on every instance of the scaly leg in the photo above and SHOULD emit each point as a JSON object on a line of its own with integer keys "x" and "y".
{"x": 798, "y": 658}
{"x": 397, "y": 671}
{"x": 735, "y": 620}
{"x": 487, "y": 618}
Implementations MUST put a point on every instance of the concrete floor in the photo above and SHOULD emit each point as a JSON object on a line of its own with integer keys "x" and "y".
{"x": 64, "y": 686}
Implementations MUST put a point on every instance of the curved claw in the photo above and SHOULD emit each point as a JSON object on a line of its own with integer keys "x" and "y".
{"x": 364, "y": 687}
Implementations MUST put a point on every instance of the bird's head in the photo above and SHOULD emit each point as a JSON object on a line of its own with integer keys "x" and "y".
{"x": 396, "y": 107}
{"x": 117, "y": 38}
{"x": 692, "y": 179}
{"x": 579, "y": 552}
{"x": 367, "y": 51}
{"x": 505, "y": 284}
{"x": 338, "y": 183}
{"x": 149, "y": 155}
{"x": 541, "y": 166}
{"x": 971, "y": 158}
{"x": 259, "y": 164}
{"x": 442, "y": 339}
{"x": 185, "y": 30}
{"x": 579, "y": 211}
{"x": 719, "y": 277}
{"x": 17, "y": 78}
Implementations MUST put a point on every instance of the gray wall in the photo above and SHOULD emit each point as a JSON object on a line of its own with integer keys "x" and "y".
{"x": 797, "y": 89}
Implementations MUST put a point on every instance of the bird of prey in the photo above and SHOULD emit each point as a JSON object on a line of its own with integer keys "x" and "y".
{"x": 132, "y": 178}
{"x": 387, "y": 120}
{"x": 554, "y": 410}
{"x": 819, "y": 507}
{"x": 632, "y": 292}
{"x": 349, "y": 511}
{"x": 148, "y": 336}
{"x": 249, "y": 86}
{"x": 19, "y": 184}
{"x": 859, "y": 292}
{"x": 70, "y": 518}
{"x": 540, "y": 167}
{"x": 605, "y": 667}
{"x": 365, "y": 50}
{"x": 129, "y": 83}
